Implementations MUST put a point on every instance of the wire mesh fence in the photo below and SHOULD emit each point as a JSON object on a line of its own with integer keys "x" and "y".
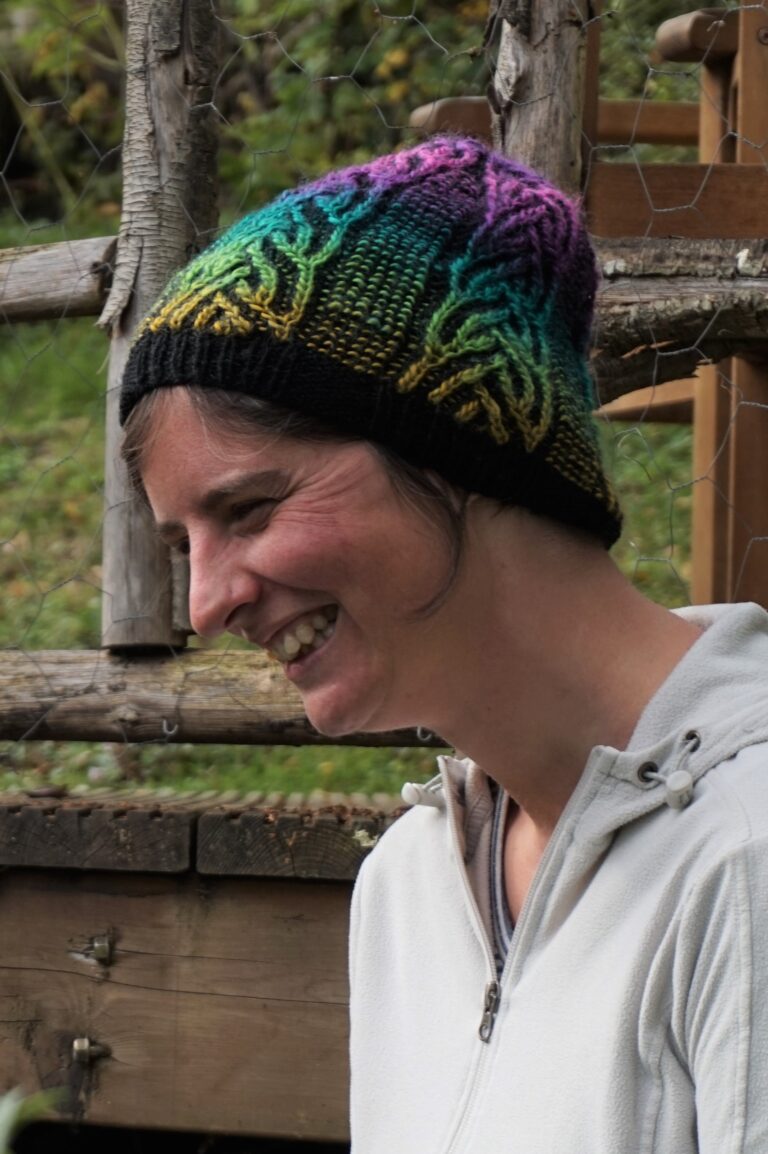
{"x": 300, "y": 88}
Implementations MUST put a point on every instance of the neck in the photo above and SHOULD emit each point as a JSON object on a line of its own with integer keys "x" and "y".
{"x": 573, "y": 670}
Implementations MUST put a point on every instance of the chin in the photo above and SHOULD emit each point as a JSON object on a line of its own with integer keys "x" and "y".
{"x": 340, "y": 719}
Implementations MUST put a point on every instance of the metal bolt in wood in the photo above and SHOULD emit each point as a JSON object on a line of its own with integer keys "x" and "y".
{"x": 85, "y": 1052}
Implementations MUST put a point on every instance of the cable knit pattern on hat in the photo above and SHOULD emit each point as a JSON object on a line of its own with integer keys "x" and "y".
{"x": 437, "y": 300}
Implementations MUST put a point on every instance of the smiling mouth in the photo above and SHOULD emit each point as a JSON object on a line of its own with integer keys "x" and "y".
{"x": 304, "y": 635}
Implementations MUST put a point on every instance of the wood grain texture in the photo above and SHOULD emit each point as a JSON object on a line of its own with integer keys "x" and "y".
{"x": 82, "y": 836}
{"x": 320, "y": 835}
{"x": 224, "y": 1008}
{"x": 169, "y": 208}
{"x": 309, "y": 844}
{"x": 678, "y": 200}
{"x": 666, "y": 309}
{"x": 92, "y": 695}
{"x": 537, "y": 89}
{"x": 52, "y": 281}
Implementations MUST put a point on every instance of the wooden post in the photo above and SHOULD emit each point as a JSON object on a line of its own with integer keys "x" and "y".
{"x": 169, "y": 208}
{"x": 730, "y": 513}
{"x": 537, "y": 93}
{"x": 711, "y": 396}
{"x": 748, "y": 513}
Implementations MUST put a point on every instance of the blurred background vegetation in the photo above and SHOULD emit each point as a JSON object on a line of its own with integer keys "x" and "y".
{"x": 302, "y": 87}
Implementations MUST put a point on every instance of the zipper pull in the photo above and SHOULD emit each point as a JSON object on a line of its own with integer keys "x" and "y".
{"x": 490, "y": 1009}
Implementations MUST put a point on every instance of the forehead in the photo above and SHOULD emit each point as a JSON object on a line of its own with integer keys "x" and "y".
{"x": 187, "y": 455}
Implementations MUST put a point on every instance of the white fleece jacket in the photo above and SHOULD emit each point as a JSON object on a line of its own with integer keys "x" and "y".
{"x": 632, "y": 1011}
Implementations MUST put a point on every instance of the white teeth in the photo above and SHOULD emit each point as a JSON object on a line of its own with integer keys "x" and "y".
{"x": 305, "y": 633}
{"x": 310, "y": 633}
{"x": 291, "y": 645}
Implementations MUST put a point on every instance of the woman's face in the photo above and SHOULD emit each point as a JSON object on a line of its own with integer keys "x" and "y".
{"x": 306, "y": 550}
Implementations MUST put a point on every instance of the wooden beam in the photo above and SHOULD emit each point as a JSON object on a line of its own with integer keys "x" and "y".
{"x": 663, "y": 309}
{"x": 668, "y": 404}
{"x": 708, "y": 34}
{"x": 469, "y": 114}
{"x": 618, "y": 121}
{"x": 711, "y": 477}
{"x": 41, "y": 282}
{"x": 87, "y": 695}
{"x": 695, "y": 201}
{"x": 647, "y": 122}
{"x": 319, "y": 835}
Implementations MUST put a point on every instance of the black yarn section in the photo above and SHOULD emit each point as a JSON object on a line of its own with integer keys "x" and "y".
{"x": 295, "y": 377}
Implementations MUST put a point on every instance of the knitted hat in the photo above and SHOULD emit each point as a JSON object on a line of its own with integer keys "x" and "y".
{"x": 437, "y": 301}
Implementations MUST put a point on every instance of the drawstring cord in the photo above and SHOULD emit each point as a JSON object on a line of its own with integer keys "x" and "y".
{"x": 430, "y": 794}
{"x": 678, "y": 783}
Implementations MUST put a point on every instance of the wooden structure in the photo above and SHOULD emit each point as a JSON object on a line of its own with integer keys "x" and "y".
{"x": 180, "y": 962}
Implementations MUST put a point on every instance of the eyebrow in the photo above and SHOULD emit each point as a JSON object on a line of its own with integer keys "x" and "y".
{"x": 270, "y": 482}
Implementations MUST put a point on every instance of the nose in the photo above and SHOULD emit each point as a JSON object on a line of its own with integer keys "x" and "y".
{"x": 220, "y": 590}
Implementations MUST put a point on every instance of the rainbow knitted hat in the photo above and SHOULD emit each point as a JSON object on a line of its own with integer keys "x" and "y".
{"x": 437, "y": 301}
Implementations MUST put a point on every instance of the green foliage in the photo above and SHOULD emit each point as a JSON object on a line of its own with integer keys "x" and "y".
{"x": 632, "y": 69}
{"x": 18, "y": 1111}
{"x": 306, "y": 87}
{"x": 61, "y": 68}
{"x": 51, "y": 466}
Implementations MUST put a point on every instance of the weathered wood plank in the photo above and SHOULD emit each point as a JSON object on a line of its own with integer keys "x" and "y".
{"x": 50, "y": 281}
{"x": 665, "y": 309}
{"x": 678, "y": 200}
{"x": 224, "y": 1007}
{"x": 87, "y": 695}
{"x": 53, "y": 835}
{"x": 240, "y": 842}
{"x": 319, "y": 835}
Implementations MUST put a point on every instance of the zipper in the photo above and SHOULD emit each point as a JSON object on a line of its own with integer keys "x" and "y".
{"x": 490, "y": 1010}
{"x": 492, "y": 994}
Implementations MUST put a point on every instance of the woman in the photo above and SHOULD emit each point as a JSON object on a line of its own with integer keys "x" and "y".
{"x": 365, "y": 415}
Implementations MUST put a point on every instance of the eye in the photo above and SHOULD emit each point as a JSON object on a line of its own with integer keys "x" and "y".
{"x": 181, "y": 547}
{"x": 252, "y": 514}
